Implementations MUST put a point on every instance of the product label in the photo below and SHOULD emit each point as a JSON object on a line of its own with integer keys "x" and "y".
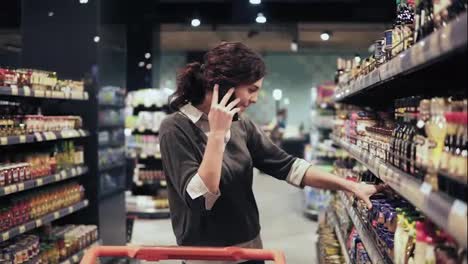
{"x": 3, "y": 141}
{"x": 38, "y": 137}
{"x": 63, "y": 174}
{"x": 14, "y": 90}
{"x": 70, "y": 209}
{"x": 39, "y": 182}
{"x": 26, "y": 91}
{"x": 425, "y": 188}
{"x": 6, "y": 236}
{"x": 38, "y": 222}
{"x": 457, "y": 220}
{"x": 22, "y": 229}
{"x": 56, "y": 215}
{"x": 7, "y": 189}
{"x": 73, "y": 172}
{"x": 57, "y": 177}
{"x": 75, "y": 259}
{"x": 22, "y": 139}
{"x": 13, "y": 188}
{"x": 21, "y": 187}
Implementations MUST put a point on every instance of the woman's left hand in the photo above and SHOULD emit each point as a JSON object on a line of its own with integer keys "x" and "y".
{"x": 365, "y": 191}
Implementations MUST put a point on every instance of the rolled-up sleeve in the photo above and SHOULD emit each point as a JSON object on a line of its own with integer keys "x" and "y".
{"x": 272, "y": 160}
{"x": 197, "y": 188}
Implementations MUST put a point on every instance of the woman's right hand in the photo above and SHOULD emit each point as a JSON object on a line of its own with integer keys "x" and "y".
{"x": 221, "y": 115}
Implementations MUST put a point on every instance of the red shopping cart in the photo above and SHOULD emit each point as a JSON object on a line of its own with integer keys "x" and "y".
{"x": 182, "y": 253}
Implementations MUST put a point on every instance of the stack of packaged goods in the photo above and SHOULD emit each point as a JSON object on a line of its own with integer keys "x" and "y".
{"x": 329, "y": 249}
{"x": 414, "y": 21}
{"x": 20, "y": 167}
{"x": 38, "y": 81}
{"x": 357, "y": 251}
{"x": 26, "y": 207}
{"x": 403, "y": 234}
{"x": 427, "y": 140}
{"x": 51, "y": 245}
{"x": 150, "y": 175}
{"x": 109, "y": 157}
{"x": 17, "y": 120}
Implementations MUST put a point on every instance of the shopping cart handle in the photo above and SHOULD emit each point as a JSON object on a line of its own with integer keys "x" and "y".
{"x": 182, "y": 253}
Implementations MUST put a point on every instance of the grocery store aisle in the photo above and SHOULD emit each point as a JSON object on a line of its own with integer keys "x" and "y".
{"x": 283, "y": 225}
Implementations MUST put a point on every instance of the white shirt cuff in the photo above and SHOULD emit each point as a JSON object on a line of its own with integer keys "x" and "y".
{"x": 196, "y": 188}
{"x": 297, "y": 172}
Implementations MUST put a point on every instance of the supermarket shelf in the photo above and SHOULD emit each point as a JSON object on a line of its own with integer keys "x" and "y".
{"x": 78, "y": 256}
{"x": 144, "y": 132}
{"x": 445, "y": 211}
{"x": 4, "y": 236}
{"x": 366, "y": 237}
{"x": 339, "y": 235}
{"x": 27, "y": 92}
{"x": 311, "y": 214}
{"x": 31, "y": 184}
{"x": 134, "y": 154}
{"x": 159, "y": 183}
{"x": 148, "y": 213}
{"x": 152, "y": 108}
{"x": 43, "y": 136}
{"x": 317, "y": 252}
{"x": 437, "y": 45}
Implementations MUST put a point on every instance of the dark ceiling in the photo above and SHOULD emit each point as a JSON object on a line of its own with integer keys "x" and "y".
{"x": 228, "y": 11}
{"x": 242, "y": 12}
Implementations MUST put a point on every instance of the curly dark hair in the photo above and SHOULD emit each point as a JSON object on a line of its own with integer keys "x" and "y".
{"x": 230, "y": 64}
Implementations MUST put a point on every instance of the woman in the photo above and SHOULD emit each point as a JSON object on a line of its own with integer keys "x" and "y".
{"x": 208, "y": 158}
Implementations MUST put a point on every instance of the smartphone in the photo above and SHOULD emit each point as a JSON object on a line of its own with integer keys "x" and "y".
{"x": 223, "y": 89}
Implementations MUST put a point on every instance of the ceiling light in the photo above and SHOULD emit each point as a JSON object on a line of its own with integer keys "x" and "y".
{"x": 147, "y": 55}
{"x": 261, "y": 18}
{"x": 149, "y": 66}
{"x": 196, "y": 22}
{"x": 325, "y": 36}
{"x": 255, "y": 2}
{"x": 294, "y": 46}
{"x": 277, "y": 94}
{"x": 83, "y": 1}
{"x": 286, "y": 101}
{"x": 141, "y": 64}
{"x": 51, "y": 13}
{"x": 97, "y": 39}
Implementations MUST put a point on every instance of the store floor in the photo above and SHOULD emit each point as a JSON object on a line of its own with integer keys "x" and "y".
{"x": 283, "y": 225}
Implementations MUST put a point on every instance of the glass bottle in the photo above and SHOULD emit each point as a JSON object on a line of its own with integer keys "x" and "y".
{"x": 436, "y": 130}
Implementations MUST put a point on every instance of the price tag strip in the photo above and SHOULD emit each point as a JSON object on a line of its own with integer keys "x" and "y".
{"x": 457, "y": 221}
{"x": 5, "y": 236}
{"x": 26, "y": 91}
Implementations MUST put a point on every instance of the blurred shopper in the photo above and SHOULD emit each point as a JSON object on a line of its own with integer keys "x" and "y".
{"x": 209, "y": 159}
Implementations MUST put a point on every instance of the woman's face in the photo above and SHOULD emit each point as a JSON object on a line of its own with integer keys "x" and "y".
{"x": 248, "y": 94}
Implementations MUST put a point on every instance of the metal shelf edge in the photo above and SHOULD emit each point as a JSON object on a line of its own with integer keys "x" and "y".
{"x": 453, "y": 212}
{"x": 33, "y": 224}
{"x": 437, "y": 44}
{"x": 32, "y": 184}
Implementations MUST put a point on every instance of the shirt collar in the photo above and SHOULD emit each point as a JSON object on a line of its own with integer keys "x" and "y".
{"x": 191, "y": 112}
